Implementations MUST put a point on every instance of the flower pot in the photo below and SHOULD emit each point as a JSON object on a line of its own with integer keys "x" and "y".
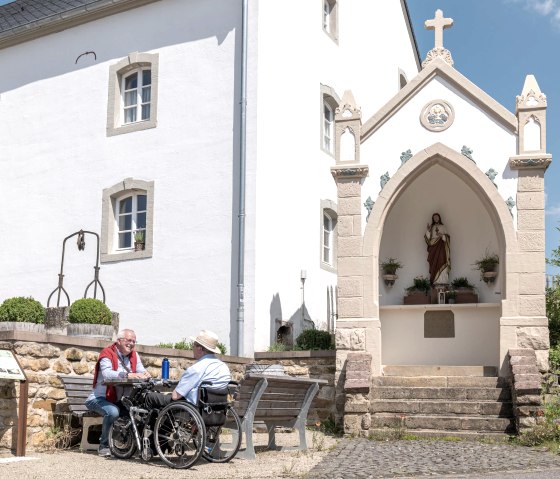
{"x": 417, "y": 297}
{"x": 139, "y": 246}
{"x": 489, "y": 276}
{"x": 389, "y": 279}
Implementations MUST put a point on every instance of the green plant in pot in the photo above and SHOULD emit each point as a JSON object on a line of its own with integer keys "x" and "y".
{"x": 139, "y": 240}
{"x": 390, "y": 267}
{"x": 420, "y": 283}
{"x": 461, "y": 283}
{"x": 488, "y": 266}
{"x": 451, "y": 296}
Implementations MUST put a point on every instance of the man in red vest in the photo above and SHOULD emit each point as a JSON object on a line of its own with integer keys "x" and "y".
{"x": 119, "y": 360}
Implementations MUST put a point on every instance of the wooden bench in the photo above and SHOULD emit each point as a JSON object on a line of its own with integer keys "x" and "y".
{"x": 276, "y": 401}
{"x": 77, "y": 389}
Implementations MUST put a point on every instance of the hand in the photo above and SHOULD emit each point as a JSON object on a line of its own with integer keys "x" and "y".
{"x": 144, "y": 375}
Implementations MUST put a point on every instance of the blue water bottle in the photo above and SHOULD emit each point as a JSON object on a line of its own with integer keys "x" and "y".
{"x": 165, "y": 369}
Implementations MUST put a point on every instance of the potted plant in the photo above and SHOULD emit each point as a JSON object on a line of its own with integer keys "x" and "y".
{"x": 139, "y": 242}
{"x": 390, "y": 268}
{"x": 464, "y": 290}
{"x": 451, "y": 296}
{"x": 417, "y": 293}
{"x": 488, "y": 266}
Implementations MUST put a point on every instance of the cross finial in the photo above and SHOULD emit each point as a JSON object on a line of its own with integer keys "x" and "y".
{"x": 439, "y": 23}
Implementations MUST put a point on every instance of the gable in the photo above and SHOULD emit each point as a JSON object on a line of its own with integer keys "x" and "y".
{"x": 439, "y": 69}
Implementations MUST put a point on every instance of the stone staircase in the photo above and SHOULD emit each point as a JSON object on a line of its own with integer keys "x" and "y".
{"x": 438, "y": 401}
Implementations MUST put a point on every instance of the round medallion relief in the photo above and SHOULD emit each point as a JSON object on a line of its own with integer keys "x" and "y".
{"x": 437, "y": 115}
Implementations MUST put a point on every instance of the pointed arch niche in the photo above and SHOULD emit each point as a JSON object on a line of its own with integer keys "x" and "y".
{"x": 441, "y": 180}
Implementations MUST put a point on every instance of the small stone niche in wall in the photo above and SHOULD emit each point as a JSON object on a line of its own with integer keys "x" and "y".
{"x": 439, "y": 324}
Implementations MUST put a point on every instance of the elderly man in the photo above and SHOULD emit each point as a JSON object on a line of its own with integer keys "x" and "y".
{"x": 119, "y": 360}
{"x": 206, "y": 368}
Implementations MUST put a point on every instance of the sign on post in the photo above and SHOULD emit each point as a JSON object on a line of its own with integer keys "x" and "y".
{"x": 11, "y": 369}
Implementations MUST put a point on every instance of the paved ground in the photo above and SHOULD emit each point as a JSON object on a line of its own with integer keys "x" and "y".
{"x": 328, "y": 458}
{"x": 361, "y": 458}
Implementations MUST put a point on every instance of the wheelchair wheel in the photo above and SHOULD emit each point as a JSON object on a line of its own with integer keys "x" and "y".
{"x": 223, "y": 442}
{"x": 179, "y": 435}
{"x": 121, "y": 438}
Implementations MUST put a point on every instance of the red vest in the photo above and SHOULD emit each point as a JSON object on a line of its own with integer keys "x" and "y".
{"x": 111, "y": 353}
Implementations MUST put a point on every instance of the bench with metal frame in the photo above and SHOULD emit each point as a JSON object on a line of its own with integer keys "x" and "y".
{"x": 277, "y": 401}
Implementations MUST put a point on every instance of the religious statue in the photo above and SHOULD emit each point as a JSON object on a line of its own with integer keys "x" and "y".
{"x": 439, "y": 255}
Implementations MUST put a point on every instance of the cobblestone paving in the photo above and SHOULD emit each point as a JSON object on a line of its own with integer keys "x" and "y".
{"x": 361, "y": 458}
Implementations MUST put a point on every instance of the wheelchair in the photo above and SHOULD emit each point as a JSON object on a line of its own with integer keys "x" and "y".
{"x": 182, "y": 432}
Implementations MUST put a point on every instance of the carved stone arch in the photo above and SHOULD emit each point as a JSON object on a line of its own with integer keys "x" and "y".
{"x": 472, "y": 176}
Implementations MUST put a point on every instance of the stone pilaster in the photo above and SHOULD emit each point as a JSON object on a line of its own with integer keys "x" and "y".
{"x": 357, "y": 384}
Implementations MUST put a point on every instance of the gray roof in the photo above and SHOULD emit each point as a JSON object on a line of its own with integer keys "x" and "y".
{"x": 23, "y": 20}
{"x": 24, "y": 12}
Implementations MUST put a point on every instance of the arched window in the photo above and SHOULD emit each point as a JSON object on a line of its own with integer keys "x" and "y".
{"x": 329, "y": 219}
{"x": 133, "y": 93}
{"x": 127, "y": 218}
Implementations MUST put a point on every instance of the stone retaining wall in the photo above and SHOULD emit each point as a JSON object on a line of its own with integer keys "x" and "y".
{"x": 45, "y": 356}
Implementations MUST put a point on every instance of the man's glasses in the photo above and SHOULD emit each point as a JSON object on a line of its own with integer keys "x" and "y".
{"x": 129, "y": 341}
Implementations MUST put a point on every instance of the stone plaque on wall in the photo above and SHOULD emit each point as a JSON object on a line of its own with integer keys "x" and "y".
{"x": 439, "y": 324}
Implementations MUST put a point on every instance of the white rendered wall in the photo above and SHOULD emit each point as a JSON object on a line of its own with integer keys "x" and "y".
{"x": 57, "y": 159}
{"x": 476, "y": 340}
{"x": 295, "y": 57}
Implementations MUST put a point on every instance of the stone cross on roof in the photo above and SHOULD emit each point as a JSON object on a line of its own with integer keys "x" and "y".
{"x": 439, "y": 23}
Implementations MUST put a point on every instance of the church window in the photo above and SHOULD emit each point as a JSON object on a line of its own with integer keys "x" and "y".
{"x": 330, "y": 18}
{"x": 328, "y": 235}
{"x": 133, "y": 87}
{"x": 127, "y": 218}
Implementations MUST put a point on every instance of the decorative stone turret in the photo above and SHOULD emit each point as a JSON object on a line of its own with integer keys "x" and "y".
{"x": 348, "y": 118}
{"x": 529, "y": 329}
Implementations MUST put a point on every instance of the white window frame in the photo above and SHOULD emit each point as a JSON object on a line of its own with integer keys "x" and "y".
{"x": 328, "y": 235}
{"x": 134, "y": 63}
{"x": 112, "y": 197}
{"x": 134, "y": 212}
{"x": 139, "y": 104}
{"x": 328, "y": 127}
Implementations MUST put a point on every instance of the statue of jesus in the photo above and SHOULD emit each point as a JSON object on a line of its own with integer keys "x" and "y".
{"x": 439, "y": 255}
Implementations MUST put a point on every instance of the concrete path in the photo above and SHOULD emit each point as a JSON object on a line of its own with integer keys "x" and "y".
{"x": 364, "y": 459}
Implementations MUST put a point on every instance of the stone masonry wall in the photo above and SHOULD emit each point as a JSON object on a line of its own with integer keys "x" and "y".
{"x": 44, "y": 357}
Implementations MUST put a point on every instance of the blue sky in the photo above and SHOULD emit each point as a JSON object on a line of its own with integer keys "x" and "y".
{"x": 496, "y": 44}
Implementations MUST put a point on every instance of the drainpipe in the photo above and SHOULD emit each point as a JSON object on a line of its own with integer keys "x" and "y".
{"x": 242, "y": 161}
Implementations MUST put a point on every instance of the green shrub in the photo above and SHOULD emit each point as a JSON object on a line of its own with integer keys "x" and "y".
{"x": 461, "y": 282}
{"x": 22, "y": 310}
{"x": 164, "y": 345}
{"x": 277, "y": 347}
{"x": 184, "y": 344}
{"x": 222, "y": 348}
{"x": 553, "y": 314}
{"x": 554, "y": 358}
{"x": 90, "y": 311}
{"x": 314, "y": 339}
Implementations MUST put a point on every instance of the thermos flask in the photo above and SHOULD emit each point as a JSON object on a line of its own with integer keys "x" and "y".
{"x": 165, "y": 369}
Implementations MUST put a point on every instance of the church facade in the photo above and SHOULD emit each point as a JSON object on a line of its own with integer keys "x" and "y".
{"x": 203, "y": 131}
{"x": 469, "y": 162}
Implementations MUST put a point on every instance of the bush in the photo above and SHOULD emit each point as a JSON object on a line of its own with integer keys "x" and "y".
{"x": 553, "y": 313}
{"x": 461, "y": 282}
{"x": 554, "y": 359}
{"x": 22, "y": 310}
{"x": 90, "y": 311}
{"x": 314, "y": 339}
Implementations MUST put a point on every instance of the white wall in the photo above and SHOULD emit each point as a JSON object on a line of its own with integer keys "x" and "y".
{"x": 476, "y": 340}
{"x": 57, "y": 160}
{"x": 293, "y": 173}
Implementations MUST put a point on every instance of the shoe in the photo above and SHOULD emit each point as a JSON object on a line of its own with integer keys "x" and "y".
{"x": 104, "y": 452}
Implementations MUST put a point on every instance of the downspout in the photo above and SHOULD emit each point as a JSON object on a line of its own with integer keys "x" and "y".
{"x": 242, "y": 161}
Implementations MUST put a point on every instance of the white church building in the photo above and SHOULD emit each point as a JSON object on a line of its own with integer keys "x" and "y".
{"x": 219, "y": 133}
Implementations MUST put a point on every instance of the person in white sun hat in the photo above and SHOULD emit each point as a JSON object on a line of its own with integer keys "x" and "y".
{"x": 206, "y": 368}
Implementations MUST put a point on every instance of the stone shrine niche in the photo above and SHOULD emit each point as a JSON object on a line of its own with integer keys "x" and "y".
{"x": 532, "y": 134}
{"x": 347, "y": 145}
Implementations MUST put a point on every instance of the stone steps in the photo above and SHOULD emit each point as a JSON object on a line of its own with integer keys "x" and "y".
{"x": 433, "y": 370}
{"x": 464, "y": 405}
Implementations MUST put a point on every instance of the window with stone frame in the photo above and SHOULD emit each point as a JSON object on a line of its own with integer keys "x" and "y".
{"x": 330, "y": 18}
{"x": 133, "y": 94}
{"x": 127, "y": 218}
{"x": 329, "y": 219}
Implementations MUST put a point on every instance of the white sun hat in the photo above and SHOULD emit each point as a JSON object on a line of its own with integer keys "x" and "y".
{"x": 208, "y": 340}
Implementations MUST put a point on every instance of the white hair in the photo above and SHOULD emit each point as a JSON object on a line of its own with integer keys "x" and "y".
{"x": 122, "y": 333}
